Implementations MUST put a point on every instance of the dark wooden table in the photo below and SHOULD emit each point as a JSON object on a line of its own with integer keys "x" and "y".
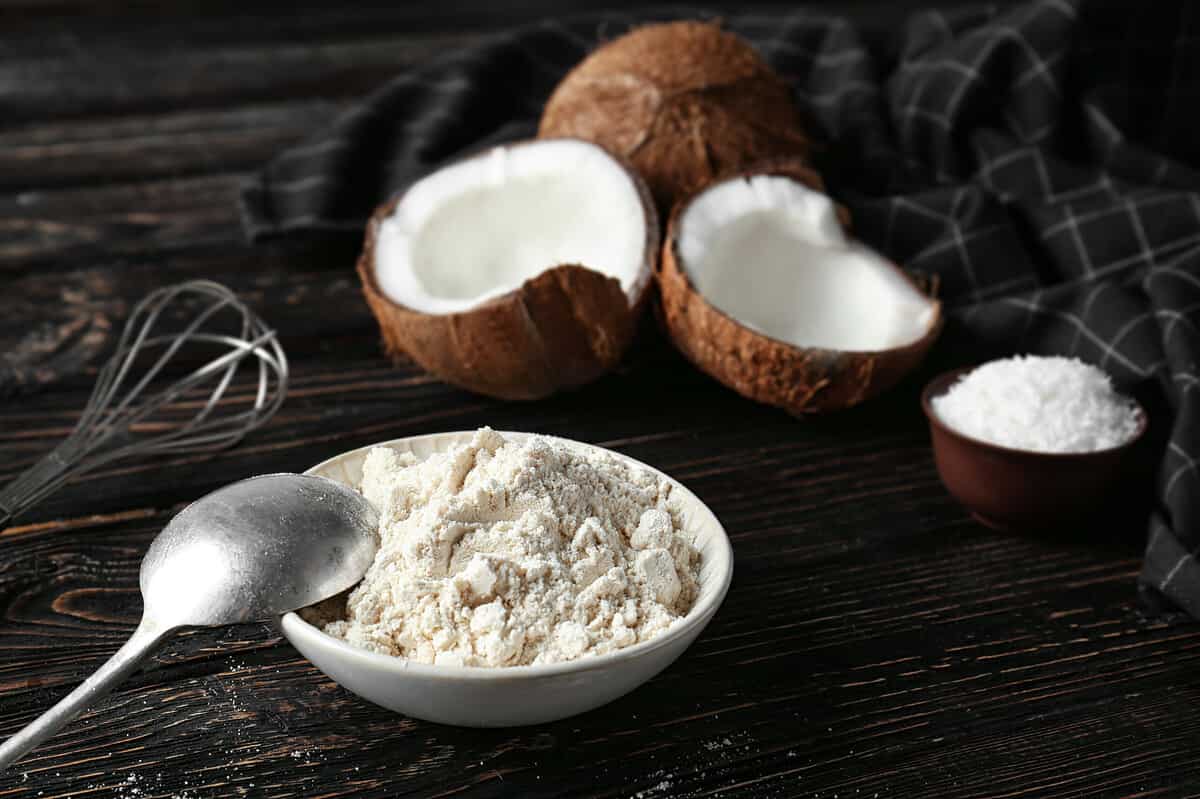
{"x": 875, "y": 642}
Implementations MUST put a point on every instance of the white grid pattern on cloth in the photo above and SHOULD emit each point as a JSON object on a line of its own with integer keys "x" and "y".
{"x": 1085, "y": 253}
{"x": 1190, "y": 464}
{"x": 853, "y": 87}
{"x": 1167, "y": 271}
{"x": 584, "y": 42}
{"x": 1135, "y": 217}
{"x": 1170, "y": 575}
{"x": 1042, "y": 67}
{"x": 1174, "y": 317}
{"x": 1110, "y": 347}
{"x": 1062, "y": 6}
{"x": 1128, "y": 206}
{"x": 1034, "y": 308}
{"x": 912, "y": 104}
{"x": 1087, "y": 307}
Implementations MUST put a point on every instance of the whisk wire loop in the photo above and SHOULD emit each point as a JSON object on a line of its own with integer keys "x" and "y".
{"x": 118, "y": 420}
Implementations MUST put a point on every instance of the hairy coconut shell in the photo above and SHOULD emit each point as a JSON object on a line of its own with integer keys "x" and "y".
{"x": 682, "y": 101}
{"x": 560, "y": 329}
{"x": 801, "y": 380}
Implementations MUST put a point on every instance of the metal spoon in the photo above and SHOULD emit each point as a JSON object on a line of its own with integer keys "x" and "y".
{"x": 252, "y": 550}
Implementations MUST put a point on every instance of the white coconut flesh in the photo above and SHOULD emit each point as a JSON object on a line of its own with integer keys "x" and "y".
{"x": 768, "y": 251}
{"x": 481, "y": 227}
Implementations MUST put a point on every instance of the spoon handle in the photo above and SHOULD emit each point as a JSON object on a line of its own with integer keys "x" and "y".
{"x": 143, "y": 641}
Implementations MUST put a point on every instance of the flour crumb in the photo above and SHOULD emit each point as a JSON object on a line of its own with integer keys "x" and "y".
{"x": 507, "y": 553}
{"x": 130, "y": 788}
{"x": 659, "y": 789}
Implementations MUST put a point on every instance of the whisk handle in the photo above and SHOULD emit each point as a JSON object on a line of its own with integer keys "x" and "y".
{"x": 145, "y": 638}
{"x": 36, "y": 482}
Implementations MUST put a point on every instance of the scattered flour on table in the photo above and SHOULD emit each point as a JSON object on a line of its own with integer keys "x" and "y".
{"x": 506, "y": 553}
{"x": 1042, "y": 404}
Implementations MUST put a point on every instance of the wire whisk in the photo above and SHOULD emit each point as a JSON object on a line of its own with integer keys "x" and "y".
{"x": 196, "y": 412}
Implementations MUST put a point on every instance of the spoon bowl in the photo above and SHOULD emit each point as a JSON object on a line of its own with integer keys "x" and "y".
{"x": 279, "y": 542}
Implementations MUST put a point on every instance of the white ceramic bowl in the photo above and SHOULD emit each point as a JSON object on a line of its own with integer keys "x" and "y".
{"x": 516, "y": 695}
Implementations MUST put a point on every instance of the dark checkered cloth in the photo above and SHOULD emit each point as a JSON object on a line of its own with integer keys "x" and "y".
{"x": 1043, "y": 161}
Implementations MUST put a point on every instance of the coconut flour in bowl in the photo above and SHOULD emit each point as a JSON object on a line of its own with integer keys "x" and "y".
{"x": 505, "y": 553}
{"x": 1040, "y": 404}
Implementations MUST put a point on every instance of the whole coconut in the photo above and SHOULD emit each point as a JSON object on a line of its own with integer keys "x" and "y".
{"x": 682, "y": 101}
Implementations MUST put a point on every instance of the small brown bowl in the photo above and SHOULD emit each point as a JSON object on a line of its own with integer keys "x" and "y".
{"x": 1015, "y": 489}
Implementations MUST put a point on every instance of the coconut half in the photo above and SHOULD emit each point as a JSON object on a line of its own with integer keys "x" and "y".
{"x": 763, "y": 290}
{"x": 515, "y": 272}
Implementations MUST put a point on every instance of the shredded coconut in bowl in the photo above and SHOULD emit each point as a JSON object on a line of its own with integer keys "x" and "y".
{"x": 507, "y": 553}
{"x": 1041, "y": 404}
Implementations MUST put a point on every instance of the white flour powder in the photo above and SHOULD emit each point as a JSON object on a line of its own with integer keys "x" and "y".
{"x": 499, "y": 553}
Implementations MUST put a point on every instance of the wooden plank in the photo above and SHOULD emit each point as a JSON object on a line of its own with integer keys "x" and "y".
{"x": 56, "y": 332}
{"x": 115, "y": 57}
{"x": 125, "y": 149}
{"x": 107, "y": 77}
{"x": 63, "y": 227}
